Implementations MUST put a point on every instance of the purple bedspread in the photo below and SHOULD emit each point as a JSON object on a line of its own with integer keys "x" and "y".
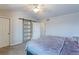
{"x": 53, "y": 45}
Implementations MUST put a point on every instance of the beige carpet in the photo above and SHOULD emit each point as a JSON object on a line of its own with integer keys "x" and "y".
{"x": 13, "y": 50}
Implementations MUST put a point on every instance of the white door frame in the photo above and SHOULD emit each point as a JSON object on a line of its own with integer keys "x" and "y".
{"x": 9, "y": 28}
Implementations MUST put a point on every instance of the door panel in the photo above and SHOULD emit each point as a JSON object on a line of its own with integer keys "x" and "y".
{"x": 27, "y": 30}
{"x": 4, "y": 32}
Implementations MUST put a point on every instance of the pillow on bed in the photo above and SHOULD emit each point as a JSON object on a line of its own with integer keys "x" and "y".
{"x": 70, "y": 48}
{"x": 75, "y": 38}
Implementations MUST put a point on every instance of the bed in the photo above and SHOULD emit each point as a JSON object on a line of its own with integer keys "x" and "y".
{"x": 52, "y": 45}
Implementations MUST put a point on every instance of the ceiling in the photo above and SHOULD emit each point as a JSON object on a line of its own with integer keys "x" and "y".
{"x": 46, "y": 10}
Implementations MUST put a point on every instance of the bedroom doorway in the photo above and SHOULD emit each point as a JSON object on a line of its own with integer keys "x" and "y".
{"x": 4, "y": 32}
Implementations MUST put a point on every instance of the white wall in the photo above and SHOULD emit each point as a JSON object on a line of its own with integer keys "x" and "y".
{"x": 36, "y": 30}
{"x": 42, "y": 28}
{"x": 16, "y": 28}
{"x": 66, "y": 25}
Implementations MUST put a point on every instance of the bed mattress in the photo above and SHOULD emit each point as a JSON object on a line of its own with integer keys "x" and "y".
{"x": 53, "y": 45}
{"x": 45, "y": 46}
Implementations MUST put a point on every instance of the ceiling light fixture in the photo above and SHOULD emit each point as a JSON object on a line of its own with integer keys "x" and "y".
{"x": 36, "y": 8}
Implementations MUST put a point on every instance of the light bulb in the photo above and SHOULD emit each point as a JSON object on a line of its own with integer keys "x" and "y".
{"x": 36, "y": 10}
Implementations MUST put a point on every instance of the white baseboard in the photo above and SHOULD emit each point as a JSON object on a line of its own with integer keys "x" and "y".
{"x": 15, "y": 43}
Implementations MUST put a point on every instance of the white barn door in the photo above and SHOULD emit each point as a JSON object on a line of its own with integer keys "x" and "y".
{"x": 4, "y": 32}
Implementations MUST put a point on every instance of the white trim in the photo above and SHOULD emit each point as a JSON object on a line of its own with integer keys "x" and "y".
{"x": 16, "y": 43}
